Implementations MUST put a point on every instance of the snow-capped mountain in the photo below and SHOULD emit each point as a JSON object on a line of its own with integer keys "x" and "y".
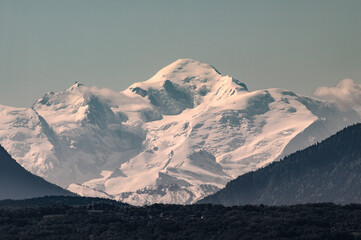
{"x": 17, "y": 183}
{"x": 325, "y": 172}
{"x": 175, "y": 138}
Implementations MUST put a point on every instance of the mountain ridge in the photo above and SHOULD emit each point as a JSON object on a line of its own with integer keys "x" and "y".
{"x": 188, "y": 130}
{"x": 324, "y": 172}
{"x": 17, "y": 183}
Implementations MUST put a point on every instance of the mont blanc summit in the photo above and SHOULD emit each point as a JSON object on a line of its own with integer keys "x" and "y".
{"x": 175, "y": 138}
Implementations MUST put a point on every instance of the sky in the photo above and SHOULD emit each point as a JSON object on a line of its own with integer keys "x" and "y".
{"x": 297, "y": 45}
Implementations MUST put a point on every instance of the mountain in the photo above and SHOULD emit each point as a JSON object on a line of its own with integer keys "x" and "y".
{"x": 17, "y": 183}
{"x": 175, "y": 138}
{"x": 325, "y": 172}
{"x": 60, "y": 200}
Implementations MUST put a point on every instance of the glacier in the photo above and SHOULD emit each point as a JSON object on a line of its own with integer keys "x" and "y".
{"x": 175, "y": 138}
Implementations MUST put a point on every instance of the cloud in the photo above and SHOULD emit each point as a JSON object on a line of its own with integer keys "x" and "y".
{"x": 116, "y": 99}
{"x": 346, "y": 94}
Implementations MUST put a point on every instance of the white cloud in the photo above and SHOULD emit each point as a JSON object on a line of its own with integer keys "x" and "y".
{"x": 346, "y": 94}
{"x": 117, "y": 99}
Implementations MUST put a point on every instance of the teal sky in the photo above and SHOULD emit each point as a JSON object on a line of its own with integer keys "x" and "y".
{"x": 47, "y": 45}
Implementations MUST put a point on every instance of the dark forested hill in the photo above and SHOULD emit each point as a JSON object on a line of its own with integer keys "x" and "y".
{"x": 329, "y": 171}
{"x": 101, "y": 220}
{"x": 17, "y": 183}
{"x": 58, "y": 200}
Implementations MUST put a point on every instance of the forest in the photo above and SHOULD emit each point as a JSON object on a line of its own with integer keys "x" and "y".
{"x": 94, "y": 218}
{"x": 328, "y": 171}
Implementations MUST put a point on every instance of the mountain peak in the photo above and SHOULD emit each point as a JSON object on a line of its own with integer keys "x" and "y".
{"x": 186, "y": 68}
{"x": 183, "y": 62}
{"x": 75, "y": 86}
{"x": 185, "y": 83}
{"x": 187, "y": 72}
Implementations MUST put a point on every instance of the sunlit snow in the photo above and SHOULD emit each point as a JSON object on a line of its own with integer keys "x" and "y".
{"x": 175, "y": 138}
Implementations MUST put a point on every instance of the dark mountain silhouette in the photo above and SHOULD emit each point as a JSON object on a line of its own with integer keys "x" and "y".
{"x": 17, "y": 183}
{"x": 58, "y": 201}
{"x": 329, "y": 171}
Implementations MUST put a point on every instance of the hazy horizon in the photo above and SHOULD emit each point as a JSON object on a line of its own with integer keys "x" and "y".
{"x": 297, "y": 45}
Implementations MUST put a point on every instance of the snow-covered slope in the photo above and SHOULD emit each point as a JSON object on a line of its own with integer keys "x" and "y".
{"x": 175, "y": 138}
{"x": 17, "y": 183}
